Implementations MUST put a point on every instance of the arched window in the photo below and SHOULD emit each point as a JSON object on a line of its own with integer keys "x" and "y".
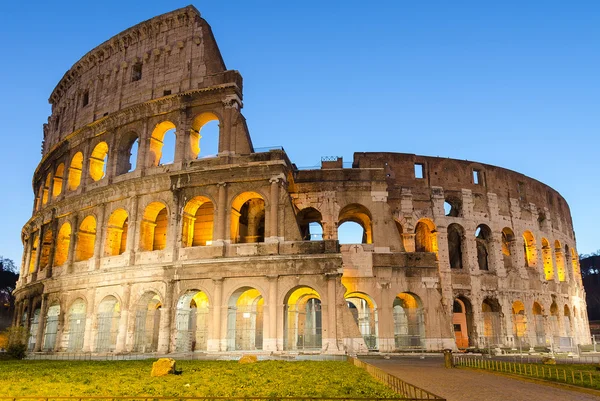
{"x": 86, "y": 239}
{"x": 309, "y": 221}
{"x": 519, "y": 319}
{"x": 75, "y": 171}
{"x": 529, "y": 249}
{"x": 248, "y": 218}
{"x": 46, "y": 247}
{"x": 360, "y": 215}
{"x": 99, "y": 161}
{"x": 560, "y": 261}
{"x": 425, "y": 236}
{"x": 46, "y": 190}
{"x": 452, "y": 206}
{"x": 567, "y": 321}
{"x": 302, "y": 320}
{"x": 58, "y": 180}
{"x": 508, "y": 242}
{"x": 61, "y": 251}
{"x": 127, "y": 153}
{"x": 554, "y": 320}
{"x": 575, "y": 265}
{"x": 455, "y": 245}
{"x": 34, "y": 251}
{"x": 547, "y": 257}
{"x": 192, "y": 322}
{"x": 162, "y": 144}
{"x": 116, "y": 233}
{"x": 198, "y": 222}
{"x": 483, "y": 236}
{"x": 154, "y": 227}
{"x": 204, "y": 136}
{"x": 400, "y": 230}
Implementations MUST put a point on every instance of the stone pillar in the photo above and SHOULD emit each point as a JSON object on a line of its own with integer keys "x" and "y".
{"x": 142, "y": 161}
{"x": 270, "y": 323}
{"x": 172, "y": 233}
{"x": 54, "y": 228}
{"x": 26, "y": 259}
{"x": 214, "y": 343}
{"x": 39, "y": 336}
{"x": 132, "y": 230}
{"x": 385, "y": 316}
{"x": 330, "y": 337}
{"x": 72, "y": 244}
{"x": 408, "y": 241}
{"x": 273, "y": 211}
{"x": 164, "y": 335}
{"x": 220, "y": 228}
{"x": 100, "y": 229}
{"x": 495, "y": 255}
{"x": 38, "y": 252}
{"x": 122, "y": 334}
{"x": 182, "y": 139}
{"x": 90, "y": 322}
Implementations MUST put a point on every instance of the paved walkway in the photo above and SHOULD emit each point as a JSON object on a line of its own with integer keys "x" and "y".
{"x": 472, "y": 385}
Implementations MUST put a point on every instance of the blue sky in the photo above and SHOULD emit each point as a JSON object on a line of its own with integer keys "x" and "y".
{"x": 513, "y": 84}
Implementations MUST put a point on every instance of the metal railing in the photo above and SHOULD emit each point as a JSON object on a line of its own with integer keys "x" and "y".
{"x": 407, "y": 390}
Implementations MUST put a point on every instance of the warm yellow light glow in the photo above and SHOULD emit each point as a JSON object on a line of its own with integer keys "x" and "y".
{"x": 560, "y": 261}
{"x": 157, "y": 140}
{"x": 198, "y": 222}
{"x": 116, "y": 233}
{"x": 426, "y": 236}
{"x": 75, "y": 171}
{"x": 195, "y": 133}
{"x": 98, "y": 161}
{"x": 359, "y": 214}
{"x": 153, "y": 235}
{"x": 58, "y": 180}
{"x": 547, "y": 257}
{"x": 529, "y": 249}
{"x": 61, "y": 251}
{"x": 46, "y": 190}
{"x": 247, "y": 223}
{"x": 86, "y": 239}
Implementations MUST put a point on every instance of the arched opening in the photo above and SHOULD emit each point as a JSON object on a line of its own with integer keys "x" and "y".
{"x": 409, "y": 321}
{"x": 547, "y": 257}
{"x": 245, "y": 320}
{"x": 99, "y": 161}
{"x": 490, "y": 309}
{"x": 538, "y": 321}
{"x": 61, "y": 250}
{"x": 575, "y": 265}
{"x": 109, "y": 314}
{"x": 33, "y": 328}
{"x": 153, "y": 235}
{"x": 86, "y": 239}
{"x": 191, "y": 322}
{"x": 529, "y": 249}
{"x": 57, "y": 181}
{"x": 127, "y": 153}
{"x": 554, "y": 320}
{"x": 508, "y": 242}
{"x": 33, "y": 254}
{"x": 560, "y": 261}
{"x": 452, "y": 207}
{"x": 116, "y": 233}
{"x": 46, "y": 189}
{"x": 75, "y": 169}
{"x": 77, "y": 316}
{"x": 567, "y": 321}
{"x": 47, "y": 242}
{"x": 309, "y": 220}
{"x": 483, "y": 236}
{"x": 360, "y": 215}
{"x": 400, "y": 230}
{"x": 204, "y": 136}
{"x": 162, "y": 144}
{"x": 147, "y": 323}
{"x": 364, "y": 311}
{"x": 51, "y": 329}
{"x": 198, "y": 222}
{"x": 425, "y": 236}
{"x": 462, "y": 322}
{"x": 519, "y": 320}
{"x": 248, "y": 218}
{"x": 455, "y": 245}
{"x": 302, "y": 320}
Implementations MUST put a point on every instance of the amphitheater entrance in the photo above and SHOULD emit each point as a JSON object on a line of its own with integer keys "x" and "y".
{"x": 409, "y": 322}
{"x": 519, "y": 321}
{"x": 33, "y": 327}
{"x": 245, "y": 320}
{"x": 77, "y": 316}
{"x": 490, "y": 309}
{"x": 538, "y": 321}
{"x": 302, "y": 320}
{"x": 109, "y": 314}
{"x": 192, "y": 322}
{"x": 364, "y": 312}
{"x": 147, "y": 323}
{"x": 462, "y": 322}
{"x": 51, "y": 329}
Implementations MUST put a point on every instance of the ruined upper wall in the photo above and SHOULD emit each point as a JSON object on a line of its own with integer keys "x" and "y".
{"x": 165, "y": 55}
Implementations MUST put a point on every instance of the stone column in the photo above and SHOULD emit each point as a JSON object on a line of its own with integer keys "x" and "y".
{"x": 54, "y": 228}
{"x": 72, "y": 244}
{"x": 220, "y": 227}
{"x": 270, "y": 323}
{"x": 495, "y": 255}
{"x": 142, "y": 161}
{"x": 330, "y": 338}
{"x": 132, "y": 230}
{"x": 182, "y": 139}
{"x": 122, "y": 336}
{"x": 172, "y": 232}
{"x": 38, "y": 252}
{"x": 273, "y": 211}
{"x": 164, "y": 335}
{"x": 99, "y": 242}
{"x": 214, "y": 343}
{"x": 90, "y": 322}
{"x": 39, "y": 336}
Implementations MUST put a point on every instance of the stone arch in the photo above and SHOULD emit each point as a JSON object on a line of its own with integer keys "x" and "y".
{"x": 76, "y": 325}
{"x": 191, "y": 321}
{"x": 456, "y": 235}
{"x": 99, "y": 161}
{"x": 245, "y": 320}
{"x": 116, "y": 233}
{"x": 462, "y": 322}
{"x": 154, "y": 227}
{"x": 302, "y": 319}
{"x": 400, "y": 229}
{"x": 310, "y": 222}
{"x": 47, "y": 243}
{"x": 491, "y": 313}
{"x": 365, "y": 314}
{"x": 483, "y": 237}
{"x": 409, "y": 321}
{"x": 567, "y": 321}
{"x": 538, "y": 321}
{"x": 529, "y": 249}
{"x": 452, "y": 206}
{"x": 196, "y": 134}
{"x": 147, "y": 322}
{"x": 51, "y": 329}
{"x": 575, "y": 265}
{"x": 519, "y": 320}
{"x": 554, "y": 319}
{"x": 46, "y": 189}
{"x": 508, "y": 243}
{"x": 198, "y": 222}
{"x": 86, "y": 239}
{"x": 359, "y": 214}
{"x": 34, "y": 253}
{"x": 425, "y": 236}
{"x": 108, "y": 317}
{"x": 75, "y": 169}
{"x": 157, "y": 139}
{"x": 57, "y": 181}
{"x": 248, "y": 218}
{"x": 125, "y": 150}
{"x": 560, "y": 261}
{"x": 547, "y": 257}
{"x": 63, "y": 240}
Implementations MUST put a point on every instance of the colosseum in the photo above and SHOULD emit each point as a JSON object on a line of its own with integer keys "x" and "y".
{"x": 133, "y": 247}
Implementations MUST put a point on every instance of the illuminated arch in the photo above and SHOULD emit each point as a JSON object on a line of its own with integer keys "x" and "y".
{"x": 548, "y": 263}
{"x": 99, "y": 161}
{"x": 46, "y": 189}
{"x": 127, "y": 153}
{"x": 365, "y": 314}
{"x": 196, "y": 136}
{"x": 519, "y": 320}
{"x": 154, "y": 227}
{"x": 57, "y": 181}
{"x": 147, "y": 319}
{"x": 560, "y": 261}
{"x": 529, "y": 249}
{"x": 409, "y": 321}
{"x": 109, "y": 314}
{"x": 116, "y": 233}
{"x": 192, "y": 321}
{"x": 61, "y": 250}
{"x": 462, "y": 321}
{"x": 425, "y": 236}
{"x": 360, "y": 215}
{"x": 198, "y": 222}
{"x": 47, "y": 243}
{"x": 245, "y": 320}
{"x": 86, "y": 239}
{"x": 75, "y": 169}
{"x": 575, "y": 265}
{"x": 310, "y": 222}
{"x": 248, "y": 218}
{"x": 157, "y": 141}
{"x": 302, "y": 319}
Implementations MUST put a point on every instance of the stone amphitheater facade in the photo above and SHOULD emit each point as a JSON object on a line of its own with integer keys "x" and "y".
{"x": 240, "y": 251}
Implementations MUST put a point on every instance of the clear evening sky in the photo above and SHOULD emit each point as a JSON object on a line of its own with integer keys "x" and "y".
{"x": 514, "y": 84}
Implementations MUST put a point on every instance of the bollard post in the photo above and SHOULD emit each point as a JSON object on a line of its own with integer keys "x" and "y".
{"x": 448, "y": 358}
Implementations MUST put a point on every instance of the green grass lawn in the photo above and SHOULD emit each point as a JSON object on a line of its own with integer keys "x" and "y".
{"x": 198, "y": 378}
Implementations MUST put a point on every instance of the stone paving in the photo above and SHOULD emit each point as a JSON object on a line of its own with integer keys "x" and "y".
{"x": 471, "y": 385}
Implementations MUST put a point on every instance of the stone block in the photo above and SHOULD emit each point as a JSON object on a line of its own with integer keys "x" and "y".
{"x": 163, "y": 367}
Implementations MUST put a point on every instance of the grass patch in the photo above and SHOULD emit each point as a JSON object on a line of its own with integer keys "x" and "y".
{"x": 199, "y": 378}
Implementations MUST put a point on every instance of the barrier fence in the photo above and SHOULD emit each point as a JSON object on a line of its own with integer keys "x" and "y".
{"x": 403, "y": 388}
{"x": 176, "y": 398}
{"x": 546, "y": 372}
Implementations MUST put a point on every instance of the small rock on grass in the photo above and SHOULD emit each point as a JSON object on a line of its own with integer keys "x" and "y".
{"x": 163, "y": 367}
